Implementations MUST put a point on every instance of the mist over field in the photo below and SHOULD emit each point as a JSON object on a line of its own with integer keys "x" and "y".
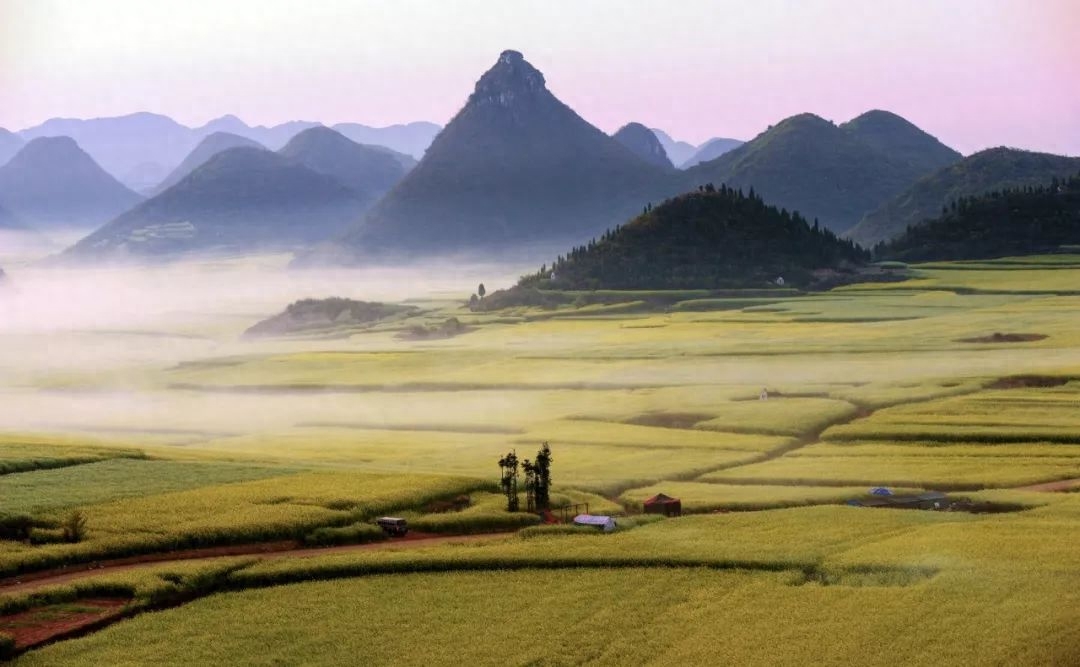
{"x": 77, "y": 343}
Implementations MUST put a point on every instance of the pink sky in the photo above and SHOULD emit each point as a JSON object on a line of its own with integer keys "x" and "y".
{"x": 975, "y": 73}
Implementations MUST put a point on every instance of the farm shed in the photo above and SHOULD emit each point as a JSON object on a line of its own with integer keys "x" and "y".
{"x": 604, "y": 523}
{"x": 663, "y": 504}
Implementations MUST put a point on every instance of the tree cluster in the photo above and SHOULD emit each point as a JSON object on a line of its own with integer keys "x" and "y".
{"x": 1017, "y": 221}
{"x": 537, "y": 480}
{"x": 715, "y": 238}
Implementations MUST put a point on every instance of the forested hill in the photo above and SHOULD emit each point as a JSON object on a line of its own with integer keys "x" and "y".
{"x": 1022, "y": 221}
{"x": 710, "y": 239}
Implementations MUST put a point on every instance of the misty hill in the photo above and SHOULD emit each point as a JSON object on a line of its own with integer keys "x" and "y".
{"x": 141, "y": 149}
{"x": 8, "y": 220}
{"x": 901, "y": 140}
{"x": 128, "y": 147}
{"x": 710, "y": 150}
{"x": 241, "y": 200}
{"x": 317, "y": 315}
{"x": 806, "y": 163}
{"x": 644, "y": 144}
{"x": 514, "y": 166}
{"x": 272, "y": 137}
{"x": 710, "y": 239}
{"x": 677, "y": 151}
{"x": 207, "y": 148}
{"x": 368, "y": 171}
{"x": 10, "y": 144}
{"x": 985, "y": 171}
{"x": 52, "y": 183}
{"x": 1022, "y": 221}
{"x": 410, "y": 138}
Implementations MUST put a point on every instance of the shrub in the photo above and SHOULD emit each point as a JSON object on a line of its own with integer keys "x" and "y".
{"x": 461, "y": 523}
{"x": 357, "y": 533}
{"x": 7, "y": 647}
{"x": 15, "y": 526}
{"x": 74, "y": 526}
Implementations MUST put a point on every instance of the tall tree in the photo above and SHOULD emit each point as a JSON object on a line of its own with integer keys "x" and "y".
{"x": 509, "y": 482}
{"x": 543, "y": 477}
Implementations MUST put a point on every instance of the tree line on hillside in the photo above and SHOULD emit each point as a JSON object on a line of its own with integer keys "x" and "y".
{"x": 1017, "y": 221}
{"x": 714, "y": 238}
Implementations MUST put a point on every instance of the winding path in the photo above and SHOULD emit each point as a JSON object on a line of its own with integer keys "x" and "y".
{"x": 265, "y": 551}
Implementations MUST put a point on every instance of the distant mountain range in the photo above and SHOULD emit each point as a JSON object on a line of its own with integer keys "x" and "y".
{"x": 677, "y": 151}
{"x": 207, "y": 148}
{"x": 242, "y": 200}
{"x": 710, "y": 150}
{"x": 643, "y": 143}
{"x": 8, "y": 220}
{"x": 983, "y": 172}
{"x": 1020, "y": 221}
{"x": 52, "y": 184}
{"x": 141, "y": 149}
{"x": 246, "y": 198}
{"x": 514, "y": 166}
{"x": 835, "y": 174}
{"x": 10, "y": 144}
{"x": 366, "y": 170}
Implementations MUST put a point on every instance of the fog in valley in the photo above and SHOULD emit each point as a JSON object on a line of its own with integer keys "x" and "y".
{"x": 87, "y": 349}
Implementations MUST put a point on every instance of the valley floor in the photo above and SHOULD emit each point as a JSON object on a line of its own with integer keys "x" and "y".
{"x": 176, "y": 434}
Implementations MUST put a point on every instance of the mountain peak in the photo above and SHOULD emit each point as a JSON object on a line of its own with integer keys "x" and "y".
{"x": 642, "y": 142}
{"x": 510, "y": 78}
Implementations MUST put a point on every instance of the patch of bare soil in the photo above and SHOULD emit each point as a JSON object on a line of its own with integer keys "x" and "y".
{"x": 998, "y": 337}
{"x": 44, "y": 624}
{"x": 1023, "y": 381}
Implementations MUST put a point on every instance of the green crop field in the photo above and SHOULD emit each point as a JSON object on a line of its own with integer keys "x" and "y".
{"x": 213, "y": 440}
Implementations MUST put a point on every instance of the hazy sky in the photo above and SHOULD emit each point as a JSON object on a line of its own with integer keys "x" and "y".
{"x": 975, "y": 73}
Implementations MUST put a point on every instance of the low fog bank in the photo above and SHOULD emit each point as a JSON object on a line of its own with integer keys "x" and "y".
{"x": 89, "y": 325}
{"x": 186, "y": 297}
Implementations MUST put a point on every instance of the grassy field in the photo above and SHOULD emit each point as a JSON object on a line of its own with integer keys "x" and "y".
{"x": 821, "y": 568}
{"x": 210, "y": 440}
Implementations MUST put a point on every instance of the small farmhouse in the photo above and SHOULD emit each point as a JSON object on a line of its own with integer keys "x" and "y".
{"x": 663, "y": 504}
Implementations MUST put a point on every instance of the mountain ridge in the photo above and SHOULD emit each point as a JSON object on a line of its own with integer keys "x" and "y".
{"x": 53, "y": 183}
{"x": 979, "y": 173}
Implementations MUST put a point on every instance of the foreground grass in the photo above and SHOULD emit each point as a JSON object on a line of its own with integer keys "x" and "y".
{"x": 820, "y": 569}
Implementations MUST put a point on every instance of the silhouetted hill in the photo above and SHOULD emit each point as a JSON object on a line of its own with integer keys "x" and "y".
{"x": 8, "y": 220}
{"x": 241, "y": 200}
{"x": 986, "y": 171}
{"x": 806, "y": 163}
{"x": 52, "y": 183}
{"x": 677, "y": 151}
{"x": 710, "y": 150}
{"x": 644, "y": 144}
{"x": 901, "y": 140}
{"x": 141, "y": 149}
{"x": 124, "y": 146}
{"x": 1022, "y": 221}
{"x": 514, "y": 166}
{"x": 272, "y": 137}
{"x": 411, "y": 138}
{"x": 207, "y": 148}
{"x": 10, "y": 144}
{"x": 710, "y": 239}
{"x": 368, "y": 171}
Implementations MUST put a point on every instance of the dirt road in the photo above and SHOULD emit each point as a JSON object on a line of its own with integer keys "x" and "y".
{"x": 267, "y": 551}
